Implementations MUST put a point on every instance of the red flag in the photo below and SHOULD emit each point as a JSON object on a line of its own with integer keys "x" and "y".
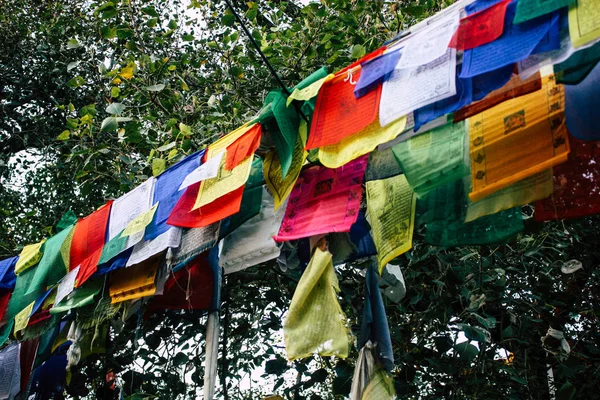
{"x": 576, "y": 189}
{"x": 88, "y": 241}
{"x": 338, "y": 113}
{"x": 190, "y": 288}
{"x": 480, "y": 28}
{"x": 225, "y": 206}
{"x": 243, "y": 147}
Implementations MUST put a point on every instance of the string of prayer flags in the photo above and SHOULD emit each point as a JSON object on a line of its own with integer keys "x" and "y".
{"x": 167, "y": 193}
{"x": 88, "y": 241}
{"x": 480, "y": 27}
{"x": 382, "y": 164}
{"x": 11, "y": 369}
{"x": 582, "y": 102}
{"x": 375, "y": 71}
{"x": 338, "y": 113}
{"x": 530, "y": 9}
{"x": 528, "y": 190}
{"x": 391, "y": 213}
{"x": 374, "y": 325}
{"x": 433, "y": 158}
{"x": 22, "y": 318}
{"x": 324, "y": 200}
{"x": 363, "y": 371}
{"x": 30, "y": 256}
{"x": 226, "y": 181}
{"x": 443, "y": 205}
{"x": 252, "y": 243}
{"x": 127, "y": 207}
{"x": 517, "y": 139}
{"x": 584, "y": 24}
{"x": 20, "y": 297}
{"x": 309, "y": 88}
{"x": 208, "y": 170}
{"x": 380, "y": 387}
{"x": 408, "y": 89}
{"x": 516, "y": 43}
{"x": 4, "y": 299}
{"x": 7, "y": 273}
{"x": 134, "y": 282}
{"x": 315, "y": 322}
{"x": 576, "y": 192}
{"x": 54, "y": 263}
{"x": 574, "y": 69}
{"x": 359, "y": 143}
{"x": 140, "y": 222}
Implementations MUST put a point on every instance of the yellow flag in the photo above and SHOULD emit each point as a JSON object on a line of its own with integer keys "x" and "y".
{"x": 30, "y": 255}
{"x": 226, "y": 181}
{"x": 277, "y": 186}
{"x": 315, "y": 320}
{"x": 391, "y": 212}
{"x": 134, "y": 282}
{"x": 308, "y": 92}
{"x": 22, "y": 318}
{"x": 584, "y": 22}
{"x": 360, "y": 143}
{"x": 536, "y": 187}
{"x": 140, "y": 222}
{"x": 517, "y": 139}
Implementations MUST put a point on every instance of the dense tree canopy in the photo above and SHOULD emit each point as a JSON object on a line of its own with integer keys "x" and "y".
{"x": 95, "y": 97}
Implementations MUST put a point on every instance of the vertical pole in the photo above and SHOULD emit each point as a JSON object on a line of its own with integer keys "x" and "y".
{"x": 212, "y": 351}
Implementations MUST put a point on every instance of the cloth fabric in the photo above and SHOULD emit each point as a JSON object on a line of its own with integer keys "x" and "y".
{"x": 581, "y": 104}
{"x": 575, "y": 68}
{"x": 252, "y": 243}
{"x": 30, "y": 256}
{"x": 136, "y": 281}
{"x": 584, "y": 25}
{"x": 382, "y": 164}
{"x": 363, "y": 370}
{"x": 282, "y": 118}
{"x": 243, "y": 147}
{"x": 128, "y": 207}
{"x": 191, "y": 288}
{"x": 375, "y": 71}
{"x": 80, "y": 297}
{"x": 360, "y": 143}
{"x": 315, "y": 322}
{"x": 7, "y": 273}
{"x": 143, "y": 251}
{"x": 433, "y": 158}
{"x": 11, "y": 368}
{"x": 48, "y": 379}
{"x": 167, "y": 193}
{"x": 575, "y": 190}
{"x": 193, "y": 242}
{"x": 324, "y": 200}
{"x": 21, "y": 298}
{"x": 338, "y": 113}
{"x": 251, "y": 199}
{"x": 517, "y": 139}
{"x": 391, "y": 207}
{"x": 516, "y": 43}
{"x": 374, "y": 326}
{"x": 530, "y": 9}
{"x": 480, "y": 27}
{"x": 54, "y": 263}
{"x": 88, "y": 241}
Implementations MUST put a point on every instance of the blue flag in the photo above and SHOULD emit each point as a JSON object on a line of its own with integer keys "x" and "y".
{"x": 376, "y": 71}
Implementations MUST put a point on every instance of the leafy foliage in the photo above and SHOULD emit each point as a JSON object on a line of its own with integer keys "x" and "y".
{"x": 98, "y": 96}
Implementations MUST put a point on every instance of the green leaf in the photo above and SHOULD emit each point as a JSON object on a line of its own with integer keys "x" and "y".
{"x": 115, "y": 108}
{"x": 185, "y": 130}
{"x": 76, "y": 82}
{"x": 228, "y": 20}
{"x": 167, "y": 146}
{"x": 109, "y": 124}
{"x": 276, "y": 367}
{"x": 73, "y": 44}
{"x": 151, "y": 11}
{"x": 158, "y": 166}
{"x": 180, "y": 359}
{"x": 566, "y": 392}
{"x": 108, "y": 32}
{"x": 155, "y": 88}
{"x": 172, "y": 24}
{"x": 466, "y": 351}
{"x": 114, "y": 92}
{"x": 172, "y": 154}
{"x": 187, "y": 38}
{"x": 64, "y": 135}
{"x": 72, "y": 64}
{"x": 251, "y": 13}
{"x": 475, "y": 332}
{"x": 358, "y": 51}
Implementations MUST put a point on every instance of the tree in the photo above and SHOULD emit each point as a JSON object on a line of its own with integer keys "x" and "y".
{"x": 98, "y": 96}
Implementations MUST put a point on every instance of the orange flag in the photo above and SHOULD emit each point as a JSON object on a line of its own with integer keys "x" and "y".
{"x": 243, "y": 147}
